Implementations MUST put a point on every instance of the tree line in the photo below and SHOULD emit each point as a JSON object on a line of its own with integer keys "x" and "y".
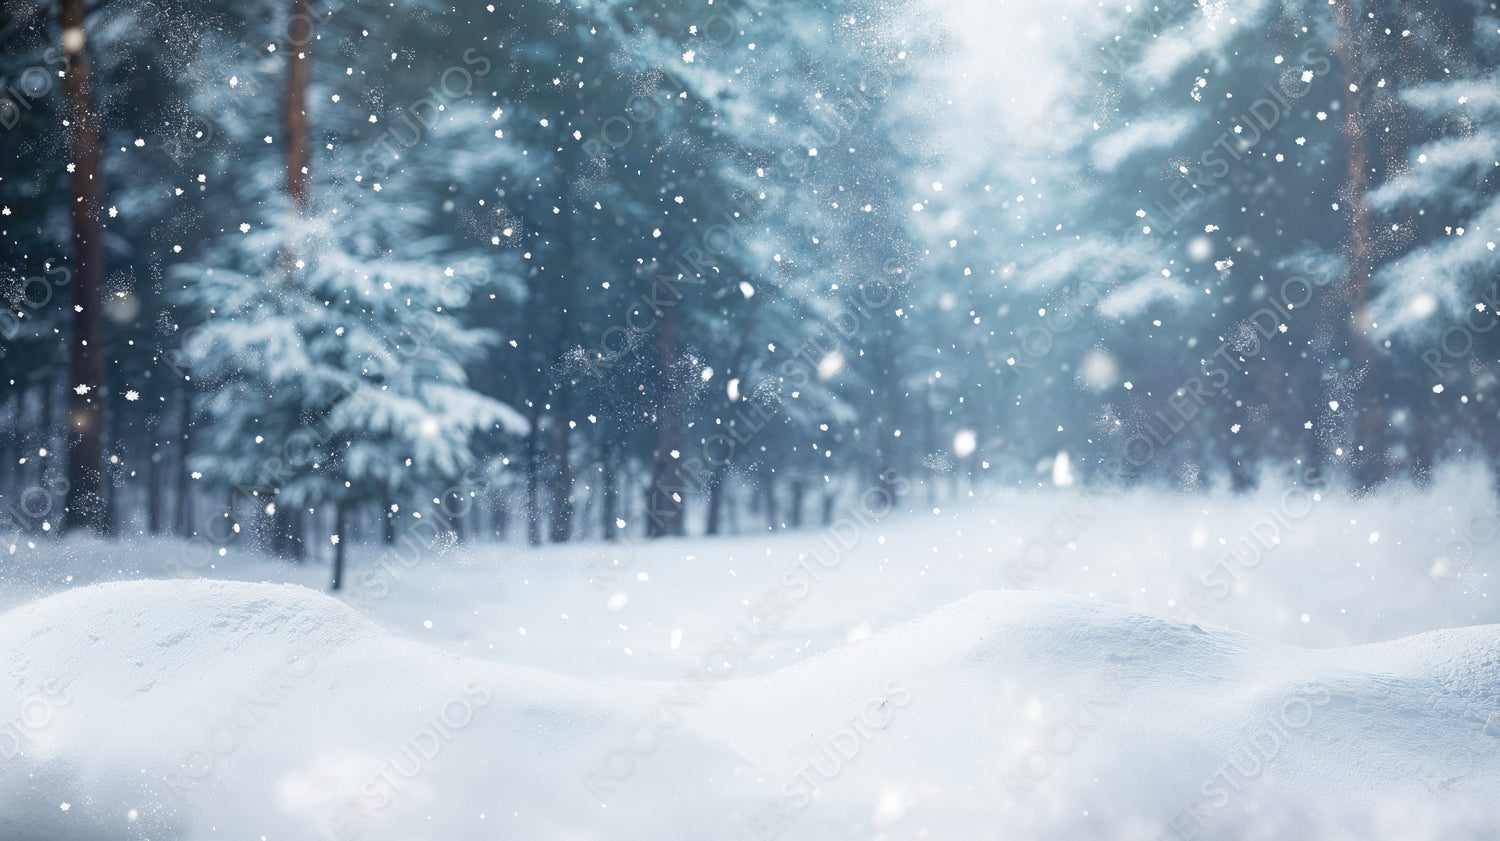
{"x": 302, "y": 269}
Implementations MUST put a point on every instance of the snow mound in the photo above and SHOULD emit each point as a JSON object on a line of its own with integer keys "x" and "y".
{"x": 169, "y": 709}
{"x": 165, "y": 709}
{"x": 1060, "y": 717}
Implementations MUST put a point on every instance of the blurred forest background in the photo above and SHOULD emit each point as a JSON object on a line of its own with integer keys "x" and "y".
{"x": 551, "y": 271}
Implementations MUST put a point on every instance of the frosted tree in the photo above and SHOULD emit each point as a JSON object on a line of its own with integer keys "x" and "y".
{"x": 329, "y": 354}
{"x": 1433, "y": 299}
{"x": 341, "y": 384}
{"x": 1127, "y": 211}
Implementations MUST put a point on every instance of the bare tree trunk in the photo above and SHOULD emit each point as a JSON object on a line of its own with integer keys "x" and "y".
{"x": 665, "y": 502}
{"x": 154, "y": 492}
{"x": 715, "y": 501}
{"x": 501, "y": 515}
{"x": 48, "y": 408}
{"x": 340, "y": 522}
{"x": 561, "y": 526}
{"x": 721, "y": 469}
{"x": 767, "y": 486}
{"x": 85, "y": 502}
{"x": 533, "y": 478}
{"x": 611, "y": 491}
{"x": 1367, "y": 136}
{"x": 568, "y": 284}
{"x": 294, "y": 110}
{"x": 183, "y": 526}
{"x": 10, "y": 444}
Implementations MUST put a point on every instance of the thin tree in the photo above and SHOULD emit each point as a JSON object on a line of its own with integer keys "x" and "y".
{"x": 85, "y": 500}
{"x": 288, "y": 525}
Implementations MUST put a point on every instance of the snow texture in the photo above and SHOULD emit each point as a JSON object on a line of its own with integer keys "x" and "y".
{"x": 178, "y": 709}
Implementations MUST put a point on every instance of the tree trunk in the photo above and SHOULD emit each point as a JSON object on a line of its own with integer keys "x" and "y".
{"x": 767, "y": 486}
{"x": 340, "y": 520}
{"x": 10, "y": 444}
{"x": 1365, "y": 132}
{"x": 48, "y": 409}
{"x": 280, "y": 526}
{"x": 561, "y": 526}
{"x": 85, "y": 502}
{"x": 296, "y": 543}
{"x": 184, "y": 473}
{"x": 294, "y": 110}
{"x": 456, "y": 522}
{"x": 611, "y": 491}
{"x": 666, "y": 500}
{"x": 721, "y": 469}
{"x": 154, "y": 492}
{"x": 533, "y": 478}
{"x": 501, "y": 516}
{"x": 715, "y": 500}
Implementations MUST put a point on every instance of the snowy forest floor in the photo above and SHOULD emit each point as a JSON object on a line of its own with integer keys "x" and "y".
{"x": 790, "y": 654}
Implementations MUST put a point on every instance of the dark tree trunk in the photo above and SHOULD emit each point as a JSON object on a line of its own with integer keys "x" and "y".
{"x": 561, "y": 526}
{"x": 10, "y": 443}
{"x": 296, "y": 543}
{"x": 666, "y": 500}
{"x": 287, "y": 528}
{"x": 85, "y": 502}
{"x": 799, "y": 490}
{"x": 294, "y": 110}
{"x": 154, "y": 492}
{"x": 715, "y": 501}
{"x": 184, "y": 472}
{"x": 533, "y": 479}
{"x": 281, "y": 526}
{"x": 49, "y": 411}
{"x": 721, "y": 468}
{"x": 340, "y": 521}
{"x": 768, "y": 489}
{"x": 457, "y": 522}
{"x": 1370, "y": 142}
{"x": 611, "y": 492}
{"x": 501, "y": 515}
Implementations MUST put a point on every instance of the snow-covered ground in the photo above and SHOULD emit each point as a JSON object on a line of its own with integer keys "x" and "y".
{"x": 1200, "y": 666}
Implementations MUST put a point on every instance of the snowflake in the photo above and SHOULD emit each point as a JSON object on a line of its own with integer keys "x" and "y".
{"x": 80, "y": 389}
{"x": 132, "y": 395}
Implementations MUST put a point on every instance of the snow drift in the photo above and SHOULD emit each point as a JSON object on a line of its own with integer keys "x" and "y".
{"x": 185, "y": 709}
